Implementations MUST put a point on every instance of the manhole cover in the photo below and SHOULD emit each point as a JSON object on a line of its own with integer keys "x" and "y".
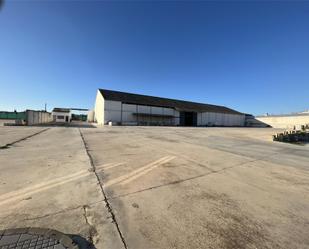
{"x": 35, "y": 238}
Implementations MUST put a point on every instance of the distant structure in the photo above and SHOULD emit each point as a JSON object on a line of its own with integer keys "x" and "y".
{"x": 27, "y": 117}
{"x": 286, "y": 121}
{"x": 305, "y": 111}
{"x": 120, "y": 108}
{"x": 62, "y": 115}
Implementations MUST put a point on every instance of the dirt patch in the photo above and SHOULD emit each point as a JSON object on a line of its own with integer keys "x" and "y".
{"x": 221, "y": 223}
{"x": 231, "y": 226}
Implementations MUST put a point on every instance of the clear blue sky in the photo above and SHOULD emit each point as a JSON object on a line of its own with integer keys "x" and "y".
{"x": 251, "y": 56}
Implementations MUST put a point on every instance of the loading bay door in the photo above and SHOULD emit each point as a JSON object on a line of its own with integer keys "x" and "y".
{"x": 188, "y": 118}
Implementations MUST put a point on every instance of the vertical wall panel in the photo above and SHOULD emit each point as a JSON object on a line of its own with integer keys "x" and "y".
{"x": 143, "y": 109}
{"x": 157, "y": 110}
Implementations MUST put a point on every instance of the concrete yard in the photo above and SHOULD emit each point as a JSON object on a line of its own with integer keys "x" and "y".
{"x": 157, "y": 187}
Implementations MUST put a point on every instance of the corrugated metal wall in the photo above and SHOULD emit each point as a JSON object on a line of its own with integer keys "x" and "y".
{"x": 220, "y": 119}
{"x": 131, "y": 114}
{"x": 13, "y": 115}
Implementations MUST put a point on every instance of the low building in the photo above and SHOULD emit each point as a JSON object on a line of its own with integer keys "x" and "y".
{"x": 120, "y": 108}
{"x": 62, "y": 115}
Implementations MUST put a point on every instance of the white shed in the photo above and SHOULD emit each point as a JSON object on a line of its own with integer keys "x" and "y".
{"x": 62, "y": 115}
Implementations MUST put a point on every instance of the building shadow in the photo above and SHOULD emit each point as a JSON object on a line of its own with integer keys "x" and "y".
{"x": 251, "y": 121}
{"x": 73, "y": 124}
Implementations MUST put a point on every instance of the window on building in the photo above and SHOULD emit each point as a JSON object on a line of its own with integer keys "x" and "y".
{"x": 60, "y": 117}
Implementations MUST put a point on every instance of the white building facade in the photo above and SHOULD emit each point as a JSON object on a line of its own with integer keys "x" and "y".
{"x": 62, "y": 115}
{"x": 121, "y": 108}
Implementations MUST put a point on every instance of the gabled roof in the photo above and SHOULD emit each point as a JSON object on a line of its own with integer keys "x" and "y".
{"x": 61, "y": 110}
{"x": 131, "y": 98}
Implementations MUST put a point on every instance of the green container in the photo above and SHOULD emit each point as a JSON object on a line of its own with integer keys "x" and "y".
{"x": 13, "y": 115}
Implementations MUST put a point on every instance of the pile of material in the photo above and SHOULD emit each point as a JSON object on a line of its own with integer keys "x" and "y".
{"x": 294, "y": 136}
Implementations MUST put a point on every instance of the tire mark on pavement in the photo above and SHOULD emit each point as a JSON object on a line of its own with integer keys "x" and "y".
{"x": 194, "y": 177}
{"x": 139, "y": 172}
{"x": 182, "y": 180}
{"x": 22, "y": 193}
{"x": 196, "y": 162}
{"x": 109, "y": 166}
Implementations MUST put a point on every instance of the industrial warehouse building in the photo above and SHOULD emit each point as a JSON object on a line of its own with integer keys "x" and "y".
{"x": 120, "y": 108}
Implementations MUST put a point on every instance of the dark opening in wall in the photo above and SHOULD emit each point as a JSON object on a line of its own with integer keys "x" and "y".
{"x": 188, "y": 118}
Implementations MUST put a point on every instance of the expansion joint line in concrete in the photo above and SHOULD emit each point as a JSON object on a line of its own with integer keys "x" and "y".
{"x": 107, "y": 204}
{"x": 7, "y": 146}
{"x": 62, "y": 211}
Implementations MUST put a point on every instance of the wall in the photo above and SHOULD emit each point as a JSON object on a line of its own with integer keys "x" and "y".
{"x": 112, "y": 111}
{"x": 125, "y": 114}
{"x": 99, "y": 108}
{"x": 119, "y": 113}
{"x": 90, "y": 116}
{"x": 285, "y": 121}
{"x": 65, "y": 114}
{"x": 251, "y": 121}
{"x": 38, "y": 117}
{"x": 13, "y": 115}
{"x": 220, "y": 119}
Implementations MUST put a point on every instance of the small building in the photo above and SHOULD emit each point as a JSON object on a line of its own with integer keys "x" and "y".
{"x": 120, "y": 108}
{"x": 62, "y": 115}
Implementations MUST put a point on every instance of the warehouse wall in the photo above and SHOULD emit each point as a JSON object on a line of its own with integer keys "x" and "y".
{"x": 285, "y": 122}
{"x": 177, "y": 117}
{"x": 119, "y": 113}
{"x": 124, "y": 113}
{"x": 99, "y": 108}
{"x": 220, "y": 119}
{"x": 112, "y": 111}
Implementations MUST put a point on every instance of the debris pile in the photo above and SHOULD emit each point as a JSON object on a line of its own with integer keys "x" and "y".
{"x": 294, "y": 136}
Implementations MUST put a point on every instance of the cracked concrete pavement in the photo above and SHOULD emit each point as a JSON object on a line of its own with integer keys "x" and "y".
{"x": 203, "y": 187}
{"x": 47, "y": 181}
{"x": 158, "y": 187}
{"x": 10, "y": 134}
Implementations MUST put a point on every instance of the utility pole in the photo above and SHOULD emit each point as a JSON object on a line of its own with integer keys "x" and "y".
{"x": 45, "y": 106}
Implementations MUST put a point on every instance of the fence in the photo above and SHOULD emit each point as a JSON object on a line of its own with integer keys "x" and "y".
{"x": 13, "y": 115}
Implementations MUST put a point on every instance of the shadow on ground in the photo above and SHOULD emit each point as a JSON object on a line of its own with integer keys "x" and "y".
{"x": 81, "y": 242}
{"x": 73, "y": 124}
{"x": 36, "y": 237}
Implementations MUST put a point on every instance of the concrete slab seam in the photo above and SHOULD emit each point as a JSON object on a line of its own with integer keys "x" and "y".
{"x": 107, "y": 204}
{"x": 63, "y": 211}
{"x": 7, "y": 146}
{"x": 184, "y": 180}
